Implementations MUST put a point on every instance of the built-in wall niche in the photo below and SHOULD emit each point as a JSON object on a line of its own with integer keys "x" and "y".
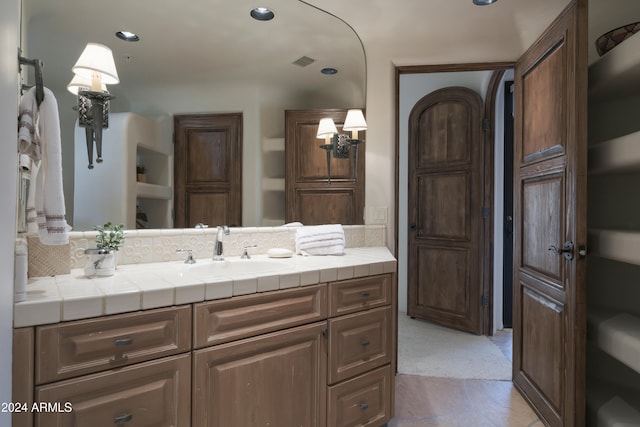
{"x": 110, "y": 191}
{"x": 613, "y": 212}
{"x": 157, "y": 165}
{"x": 157, "y": 213}
{"x": 273, "y": 187}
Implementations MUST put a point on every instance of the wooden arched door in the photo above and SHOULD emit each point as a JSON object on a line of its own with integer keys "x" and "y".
{"x": 445, "y": 209}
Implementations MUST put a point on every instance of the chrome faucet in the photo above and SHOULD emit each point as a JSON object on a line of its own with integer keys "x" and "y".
{"x": 218, "y": 254}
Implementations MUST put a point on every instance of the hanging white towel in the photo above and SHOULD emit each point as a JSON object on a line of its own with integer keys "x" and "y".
{"x": 39, "y": 138}
{"x": 320, "y": 240}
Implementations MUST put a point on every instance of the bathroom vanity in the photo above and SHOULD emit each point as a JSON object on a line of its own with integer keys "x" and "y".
{"x": 310, "y": 341}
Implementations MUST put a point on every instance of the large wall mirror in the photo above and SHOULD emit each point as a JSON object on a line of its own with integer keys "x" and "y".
{"x": 200, "y": 57}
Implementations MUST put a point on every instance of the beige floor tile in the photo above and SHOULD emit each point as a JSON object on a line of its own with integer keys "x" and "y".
{"x": 450, "y": 402}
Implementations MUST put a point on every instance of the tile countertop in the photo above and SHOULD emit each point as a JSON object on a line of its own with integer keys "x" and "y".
{"x": 144, "y": 286}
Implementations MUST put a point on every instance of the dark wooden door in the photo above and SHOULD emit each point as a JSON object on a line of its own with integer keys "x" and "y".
{"x": 549, "y": 210}
{"x": 208, "y": 169}
{"x": 309, "y": 198}
{"x": 445, "y": 209}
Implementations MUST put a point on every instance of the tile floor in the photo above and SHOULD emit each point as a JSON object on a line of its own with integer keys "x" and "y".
{"x": 452, "y": 402}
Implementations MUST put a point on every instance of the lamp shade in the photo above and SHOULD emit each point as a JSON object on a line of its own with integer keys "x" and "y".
{"x": 326, "y": 128}
{"x": 97, "y": 59}
{"x": 78, "y": 82}
{"x": 355, "y": 121}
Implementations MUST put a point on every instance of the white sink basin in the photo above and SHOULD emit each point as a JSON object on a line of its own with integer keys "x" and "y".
{"x": 232, "y": 267}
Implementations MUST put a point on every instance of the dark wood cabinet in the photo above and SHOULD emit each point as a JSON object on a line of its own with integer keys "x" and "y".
{"x": 309, "y": 197}
{"x": 321, "y": 355}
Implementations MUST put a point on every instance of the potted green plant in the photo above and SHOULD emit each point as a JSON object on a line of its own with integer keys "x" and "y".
{"x": 103, "y": 260}
{"x": 141, "y": 172}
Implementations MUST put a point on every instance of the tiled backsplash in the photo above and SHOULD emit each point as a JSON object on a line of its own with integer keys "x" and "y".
{"x": 143, "y": 246}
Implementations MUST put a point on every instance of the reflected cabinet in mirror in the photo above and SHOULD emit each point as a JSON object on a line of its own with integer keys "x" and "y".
{"x": 321, "y": 188}
{"x": 196, "y": 57}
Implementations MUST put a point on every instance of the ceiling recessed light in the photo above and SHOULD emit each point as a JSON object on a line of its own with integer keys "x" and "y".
{"x": 127, "y": 36}
{"x": 329, "y": 71}
{"x": 262, "y": 14}
{"x": 483, "y": 2}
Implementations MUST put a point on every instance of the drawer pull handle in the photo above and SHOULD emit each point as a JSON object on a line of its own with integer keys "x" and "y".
{"x": 122, "y": 419}
{"x": 365, "y": 342}
{"x": 121, "y": 342}
{"x": 366, "y": 294}
{"x": 364, "y": 406}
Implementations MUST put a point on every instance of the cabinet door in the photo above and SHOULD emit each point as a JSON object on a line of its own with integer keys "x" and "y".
{"x": 309, "y": 197}
{"x": 278, "y": 379}
{"x": 148, "y": 394}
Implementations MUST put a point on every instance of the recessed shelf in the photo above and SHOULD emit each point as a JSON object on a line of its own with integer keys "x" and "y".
{"x": 273, "y": 184}
{"x": 153, "y": 191}
{"x": 619, "y": 245}
{"x": 273, "y": 144}
{"x": 617, "y": 73}
{"x": 610, "y": 409}
{"x": 272, "y": 222}
{"x": 616, "y": 155}
{"x": 617, "y": 334}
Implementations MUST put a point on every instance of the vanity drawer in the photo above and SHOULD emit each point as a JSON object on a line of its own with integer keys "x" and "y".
{"x": 349, "y": 296}
{"x": 359, "y": 342}
{"x": 76, "y": 348}
{"x": 230, "y": 319}
{"x": 361, "y": 401}
{"x": 155, "y": 393}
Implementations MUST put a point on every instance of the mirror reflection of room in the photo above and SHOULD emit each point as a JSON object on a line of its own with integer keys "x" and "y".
{"x": 167, "y": 74}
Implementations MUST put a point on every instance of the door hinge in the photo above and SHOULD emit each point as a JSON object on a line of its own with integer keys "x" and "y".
{"x": 486, "y": 124}
{"x": 485, "y": 301}
{"x": 486, "y": 211}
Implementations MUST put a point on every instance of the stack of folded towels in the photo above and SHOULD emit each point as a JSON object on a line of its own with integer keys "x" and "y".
{"x": 320, "y": 240}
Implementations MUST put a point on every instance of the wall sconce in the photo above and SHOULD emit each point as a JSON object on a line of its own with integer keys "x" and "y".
{"x": 326, "y": 130}
{"x": 340, "y": 144}
{"x": 94, "y": 70}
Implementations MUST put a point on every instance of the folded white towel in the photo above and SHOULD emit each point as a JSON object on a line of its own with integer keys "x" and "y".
{"x": 320, "y": 237}
{"x": 39, "y": 138}
{"x": 320, "y": 240}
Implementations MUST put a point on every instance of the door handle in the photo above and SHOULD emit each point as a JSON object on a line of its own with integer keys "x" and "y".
{"x": 566, "y": 250}
{"x": 508, "y": 225}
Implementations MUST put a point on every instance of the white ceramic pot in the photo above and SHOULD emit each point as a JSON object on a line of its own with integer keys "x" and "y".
{"x": 100, "y": 262}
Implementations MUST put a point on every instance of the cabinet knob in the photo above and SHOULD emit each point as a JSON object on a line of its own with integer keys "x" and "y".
{"x": 365, "y": 342}
{"x": 364, "y": 406}
{"x": 366, "y": 294}
{"x": 122, "y": 419}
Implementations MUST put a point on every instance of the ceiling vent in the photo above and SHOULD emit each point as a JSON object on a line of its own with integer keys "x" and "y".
{"x": 304, "y": 61}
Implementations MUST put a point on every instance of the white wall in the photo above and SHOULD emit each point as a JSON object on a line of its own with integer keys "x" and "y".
{"x": 9, "y": 36}
{"x": 412, "y": 88}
